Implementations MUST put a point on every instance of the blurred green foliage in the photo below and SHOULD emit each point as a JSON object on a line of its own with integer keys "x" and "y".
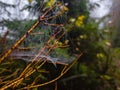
{"x": 95, "y": 70}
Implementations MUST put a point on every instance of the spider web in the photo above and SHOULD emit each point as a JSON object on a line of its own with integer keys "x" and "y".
{"x": 31, "y": 47}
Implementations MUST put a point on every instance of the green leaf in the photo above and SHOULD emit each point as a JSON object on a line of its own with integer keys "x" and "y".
{"x": 107, "y": 77}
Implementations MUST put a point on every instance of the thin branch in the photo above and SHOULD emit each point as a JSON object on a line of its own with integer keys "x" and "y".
{"x": 49, "y": 82}
{"x": 19, "y": 41}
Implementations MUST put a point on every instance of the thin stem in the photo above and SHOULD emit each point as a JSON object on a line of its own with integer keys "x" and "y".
{"x": 19, "y": 41}
{"x": 49, "y": 82}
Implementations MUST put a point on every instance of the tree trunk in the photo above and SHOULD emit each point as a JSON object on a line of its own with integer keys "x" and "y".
{"x": 115, "y": 18}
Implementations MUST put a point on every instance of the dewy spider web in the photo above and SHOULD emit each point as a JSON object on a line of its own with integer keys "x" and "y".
{"x": 38, "y": 53}
{"x": 36, "y": 39}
